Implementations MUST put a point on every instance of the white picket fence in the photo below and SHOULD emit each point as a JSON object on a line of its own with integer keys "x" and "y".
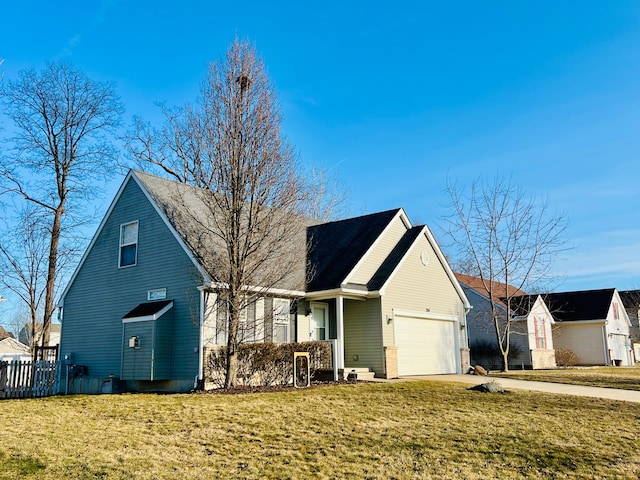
{"x": 27, "y": 379}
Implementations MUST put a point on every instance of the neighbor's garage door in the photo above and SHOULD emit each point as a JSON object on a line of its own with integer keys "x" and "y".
{"x": 619, "y": 350}
{"x": 425, "y": 346}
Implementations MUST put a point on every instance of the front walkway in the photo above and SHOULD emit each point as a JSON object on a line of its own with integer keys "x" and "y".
{"x": 548, "y": 387}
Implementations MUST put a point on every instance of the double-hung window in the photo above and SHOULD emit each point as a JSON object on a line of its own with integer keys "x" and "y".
{"x": 128, "y": 244}
{"x": 281, "y": 317}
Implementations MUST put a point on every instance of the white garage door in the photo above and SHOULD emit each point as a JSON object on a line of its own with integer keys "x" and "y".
{"x": 425, "y": 346}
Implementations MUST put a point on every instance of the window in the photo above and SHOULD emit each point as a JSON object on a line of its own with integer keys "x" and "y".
{"x": 541, "y": 339}
{"x": 128, "y": 244}
{"x": 281, "y": 318}
{"x": 319, "y": 321}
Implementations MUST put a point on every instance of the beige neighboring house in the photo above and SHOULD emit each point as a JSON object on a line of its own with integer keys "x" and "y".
{"x": 593, "y": 324}
{"x": 54, "y": 335}
{"x": 11, "y": 349}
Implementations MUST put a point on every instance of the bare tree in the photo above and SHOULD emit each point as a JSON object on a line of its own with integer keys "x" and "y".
{"x": 508, "y": 238}
{"x": 59, "y": 151}
{"x": 23, "y": 255}
{"x": 229, "y": 146}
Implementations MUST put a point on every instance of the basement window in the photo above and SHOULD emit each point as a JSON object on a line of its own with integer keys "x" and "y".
{"x": 128, "y": 244}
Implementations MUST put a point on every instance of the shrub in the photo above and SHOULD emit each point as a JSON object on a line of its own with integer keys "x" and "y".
{"x": 266, "y": 363}
{"x": 566, "y": 358}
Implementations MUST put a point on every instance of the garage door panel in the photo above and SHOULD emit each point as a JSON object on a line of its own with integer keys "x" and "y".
{"x": 425, "y": 346}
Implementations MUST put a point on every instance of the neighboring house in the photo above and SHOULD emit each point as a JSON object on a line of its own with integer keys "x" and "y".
{"x": 54, "y": 334}
{"x": 3, "y": 333}
{"x": 631, "y": 301}
{"x": 12, "y": 349}
{"x": 531, "y": 339}
{"x": 137, "y": 306}
{"x": 593, "y": 324}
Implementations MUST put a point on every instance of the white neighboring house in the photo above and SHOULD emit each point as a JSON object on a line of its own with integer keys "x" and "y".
{"x": 11, "y": 349}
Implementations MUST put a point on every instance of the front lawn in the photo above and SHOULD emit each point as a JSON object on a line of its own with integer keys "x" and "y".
{"x": 401, "y": 430}
{"x": 625, "y": 378}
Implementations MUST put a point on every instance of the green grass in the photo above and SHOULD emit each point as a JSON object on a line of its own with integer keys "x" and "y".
{"x": 625, "y": 378}
{"x": 401, "y": 430}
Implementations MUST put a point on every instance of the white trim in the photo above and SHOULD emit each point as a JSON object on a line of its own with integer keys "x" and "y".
{"x": 147, "y": 318}
{"x": 347, "y": 293}
{"x": 399, "y": 214}
{"x": 340, "y": 331}
{"x": 428, "y": 315}
{"x": 580, "y": 322}
{"x": 268, "y": 291}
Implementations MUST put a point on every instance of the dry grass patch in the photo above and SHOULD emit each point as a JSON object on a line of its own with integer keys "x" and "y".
{"x": 624, "y": 378}
{"x": 404, "y": 430}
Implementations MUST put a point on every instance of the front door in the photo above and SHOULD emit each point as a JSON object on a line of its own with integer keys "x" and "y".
{"x": 319, "y": 321}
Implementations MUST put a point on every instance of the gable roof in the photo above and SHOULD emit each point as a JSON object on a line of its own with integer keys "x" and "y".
{"x": 579, "y": 305}
{"x": 336, "y": 247}
{"x": 522, "y": 305}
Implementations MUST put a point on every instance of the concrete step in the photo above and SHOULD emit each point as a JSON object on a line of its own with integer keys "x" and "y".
{"x": 362, "y": 374}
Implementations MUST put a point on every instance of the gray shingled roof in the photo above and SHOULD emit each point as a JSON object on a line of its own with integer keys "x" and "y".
{"x": 333, "y": 249}
{"x": 188, "y": 211}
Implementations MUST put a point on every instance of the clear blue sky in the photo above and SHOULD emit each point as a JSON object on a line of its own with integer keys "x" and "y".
{"x": 394, "y": 96}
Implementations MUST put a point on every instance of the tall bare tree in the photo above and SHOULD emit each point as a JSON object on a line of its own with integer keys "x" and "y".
{"x": 58, "y": 152}
{"x": 507, "y": 238}
{"x": 229, "y": 145}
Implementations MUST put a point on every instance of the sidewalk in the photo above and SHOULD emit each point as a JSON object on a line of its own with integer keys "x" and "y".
{"x": 512, "y": 384}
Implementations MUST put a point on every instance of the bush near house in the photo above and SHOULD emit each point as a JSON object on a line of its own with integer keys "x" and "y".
{"x": 566, "y": 358}
{"x": 266, "y": 364}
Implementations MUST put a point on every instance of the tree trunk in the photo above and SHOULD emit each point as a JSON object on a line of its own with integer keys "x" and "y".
{"x": 505, "y": 361}
{"x": 49, "y": 307}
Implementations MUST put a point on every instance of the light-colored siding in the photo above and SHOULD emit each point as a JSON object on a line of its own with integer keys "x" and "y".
{"x": 363, "y": 335}
{"x": 585, "y": 340}
{"x": 102, "y": 293}
{"x": 419, "y": 288}
{"x": 379, "y": 252}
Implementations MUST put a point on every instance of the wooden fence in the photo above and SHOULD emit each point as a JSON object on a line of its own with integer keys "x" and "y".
{"x": 27, "y": 379}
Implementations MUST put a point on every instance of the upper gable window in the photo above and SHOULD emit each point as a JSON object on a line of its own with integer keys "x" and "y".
{"x": 128, "y": 244}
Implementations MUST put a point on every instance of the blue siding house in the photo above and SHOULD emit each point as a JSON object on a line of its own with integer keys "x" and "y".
{"x": 139, "y": 312}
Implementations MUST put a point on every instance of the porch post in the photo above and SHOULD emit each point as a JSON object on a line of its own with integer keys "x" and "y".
{"x": 340, "y": 330}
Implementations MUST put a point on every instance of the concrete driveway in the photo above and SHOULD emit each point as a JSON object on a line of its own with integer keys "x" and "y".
{"x": 512, "y": 384}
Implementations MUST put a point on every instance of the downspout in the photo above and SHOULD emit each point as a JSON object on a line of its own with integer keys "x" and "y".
{"x": 605, "y": 342}
{"x": 199, "y": 377}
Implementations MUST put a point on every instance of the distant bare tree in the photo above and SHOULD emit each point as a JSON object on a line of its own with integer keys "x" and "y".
{"x": 229, "y": 145}
{"x": 59, "y": 152}
{"x": 23, "y": 264}
{"x": 507, "y": 238}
